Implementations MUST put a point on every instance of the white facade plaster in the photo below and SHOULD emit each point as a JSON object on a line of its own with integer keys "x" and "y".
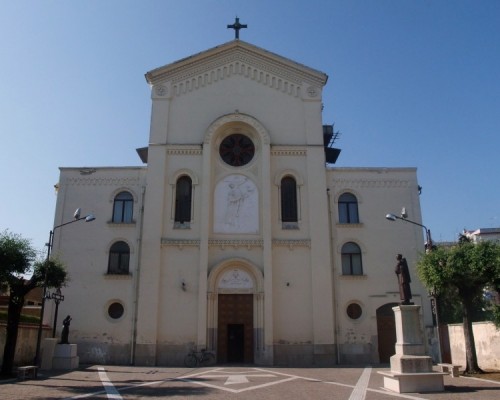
{"x": 235, "y": 243}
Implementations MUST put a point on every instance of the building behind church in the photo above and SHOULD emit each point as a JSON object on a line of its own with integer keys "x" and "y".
{"x": 236, "y": 235}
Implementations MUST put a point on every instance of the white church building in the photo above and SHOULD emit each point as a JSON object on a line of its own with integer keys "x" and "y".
{"x": 236, "y": 235}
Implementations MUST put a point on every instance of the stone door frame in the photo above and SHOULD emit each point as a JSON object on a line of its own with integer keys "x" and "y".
{"x": 253, "y": 284}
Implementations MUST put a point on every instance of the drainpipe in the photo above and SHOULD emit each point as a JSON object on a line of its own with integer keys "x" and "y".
{"x": 334, "y": 279}
{"x": 133, "y": 338}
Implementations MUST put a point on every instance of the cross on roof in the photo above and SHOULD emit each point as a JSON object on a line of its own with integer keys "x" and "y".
{"x": 237, "y": 26}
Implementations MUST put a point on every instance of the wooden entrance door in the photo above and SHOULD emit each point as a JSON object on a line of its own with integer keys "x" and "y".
{"x": 386, "y": 329}
{"x": 235, "y": 328}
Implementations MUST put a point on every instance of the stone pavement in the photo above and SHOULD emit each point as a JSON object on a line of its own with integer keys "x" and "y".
{"x": 224, "y": 382}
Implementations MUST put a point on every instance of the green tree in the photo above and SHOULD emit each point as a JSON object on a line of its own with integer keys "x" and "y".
{"x": 18, "y": 258}
{"x": 465, "y": 269}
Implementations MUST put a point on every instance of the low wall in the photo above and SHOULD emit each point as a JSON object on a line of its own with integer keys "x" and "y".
{"x": 487, "y": 339}
{"x": 26, "y": 342}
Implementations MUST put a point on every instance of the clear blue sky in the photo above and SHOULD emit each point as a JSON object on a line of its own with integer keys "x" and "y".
{"x": 411, "y": 83}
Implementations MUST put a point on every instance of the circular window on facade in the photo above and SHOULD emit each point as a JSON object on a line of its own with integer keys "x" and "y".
{"x": 115, "y": 310}
{"x": 354, "y": 311}
{"x": 237, "y": 150}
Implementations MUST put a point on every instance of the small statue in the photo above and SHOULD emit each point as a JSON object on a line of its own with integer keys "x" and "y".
{"x": 65, "y": 331}
{"x": 404, "y": 280}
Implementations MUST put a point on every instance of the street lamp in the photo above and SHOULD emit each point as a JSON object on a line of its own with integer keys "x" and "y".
{"x": 57, "y": 297}
{"x": 76, "y": 215}
{"x": 428, "y": 247}
{"x": 428, "y": 239}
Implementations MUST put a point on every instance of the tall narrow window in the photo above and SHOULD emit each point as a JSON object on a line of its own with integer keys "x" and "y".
{"x": 123, "y": 208}
{"x": 119, "y": 258}
{"x": 289, "y": 212}
{"x": 348, "y": 209}
{"x": 183, "y": 191}
{"x": 351, "y": 259}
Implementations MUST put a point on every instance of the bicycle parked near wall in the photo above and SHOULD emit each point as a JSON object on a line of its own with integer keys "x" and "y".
{"x": 199, "y": 358}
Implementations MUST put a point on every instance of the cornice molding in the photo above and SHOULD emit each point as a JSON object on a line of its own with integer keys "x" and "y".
{"x": 288, "y": 151}
{"x": 236, "y": 243}
{"x": 183, "y": 150}
{"x": 371, "y": 183}
{"x": 291, "y": 243}
{"x": 236, "y": 64}
{"x": 126, "y": 182}
{"x": 236, "y": 51}
{"x": 180, "y": 243}
{"x": 268, "y": 69}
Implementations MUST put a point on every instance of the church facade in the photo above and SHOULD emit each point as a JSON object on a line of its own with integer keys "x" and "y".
{"x": 236, "y": 236}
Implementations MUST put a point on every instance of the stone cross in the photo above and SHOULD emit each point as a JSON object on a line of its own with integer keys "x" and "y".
{"x": 237, "y": 26}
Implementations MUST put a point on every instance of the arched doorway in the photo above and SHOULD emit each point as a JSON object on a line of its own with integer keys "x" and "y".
{"x": 235, "y": 311}
{"x": 386, "y": 330}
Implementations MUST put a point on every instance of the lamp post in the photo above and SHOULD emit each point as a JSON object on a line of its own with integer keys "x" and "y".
{"x": 76, "y": 215}
{"x": 57, "y": 297}
{"x": 428, "y": 247}
{"x": 428, "y": 239}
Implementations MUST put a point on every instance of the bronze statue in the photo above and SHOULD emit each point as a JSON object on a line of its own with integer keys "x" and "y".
{"x": 404, "y": 280}
{"x": 65, "y": 331}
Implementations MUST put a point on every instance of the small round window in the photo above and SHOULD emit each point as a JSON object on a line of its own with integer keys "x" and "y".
{"x": 115, "y": 310}
{"x": 354, "y": 311}
{"x": 237, "y": 150}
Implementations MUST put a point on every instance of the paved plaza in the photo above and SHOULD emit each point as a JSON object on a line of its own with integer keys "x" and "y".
{"x": 223, "y": 382}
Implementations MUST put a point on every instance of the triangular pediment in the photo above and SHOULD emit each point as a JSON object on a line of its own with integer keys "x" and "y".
{"x": 235, "y": 58}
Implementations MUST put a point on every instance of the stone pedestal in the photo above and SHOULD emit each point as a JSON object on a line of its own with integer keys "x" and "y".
{"x": 65, "y": 357}
{"x": 411, "y": 368}
{"x": 48, "y": 349}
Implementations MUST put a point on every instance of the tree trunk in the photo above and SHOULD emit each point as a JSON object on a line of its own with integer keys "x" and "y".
{"x": 13, "y": 318}
{"x": 470, "y": 346}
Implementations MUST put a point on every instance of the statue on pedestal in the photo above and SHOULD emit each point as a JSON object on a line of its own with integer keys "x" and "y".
{"x": 65, "y": 331}
{"x": 404, "y": 280}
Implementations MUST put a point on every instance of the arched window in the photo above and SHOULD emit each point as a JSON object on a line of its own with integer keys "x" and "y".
{"x": 351, "y": 259}
{"x": 183, "y": 191}
{"x": 348, "y": 209}
{"x": 119, "y": 258}
{"x": 289, "y": 210}
{"x": 123, "y": 208}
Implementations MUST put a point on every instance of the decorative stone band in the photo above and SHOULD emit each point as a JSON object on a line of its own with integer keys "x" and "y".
{"x": 236, "y": 243}
{"x": 222, "y": 243}
{"x": 184, "y": 150}
{"x": 236, "y": 68}
{"x": 291, "y": 243}
{"x": 271, "y": 73}
{"x": 374, "y": 183}
{"x": 88, "y": 181}
{"x": 287, "y": 151}
{"x": 180, "y": 243}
